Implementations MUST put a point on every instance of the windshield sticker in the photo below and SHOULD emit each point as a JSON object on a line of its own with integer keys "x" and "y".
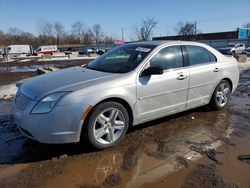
{"x": 141, "y": 49}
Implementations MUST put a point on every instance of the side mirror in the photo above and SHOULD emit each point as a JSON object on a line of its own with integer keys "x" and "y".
{"x": 152, "y": 71}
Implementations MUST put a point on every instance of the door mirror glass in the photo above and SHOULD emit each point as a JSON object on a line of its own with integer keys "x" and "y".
{"x": 152, "y": 71}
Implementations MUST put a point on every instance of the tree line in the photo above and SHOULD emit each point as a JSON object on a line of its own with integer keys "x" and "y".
{"x": 55, "y": 33}
{"x": 79, "y": 33}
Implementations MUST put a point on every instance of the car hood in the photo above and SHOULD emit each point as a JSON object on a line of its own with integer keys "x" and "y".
{"x": 69, "y": 79}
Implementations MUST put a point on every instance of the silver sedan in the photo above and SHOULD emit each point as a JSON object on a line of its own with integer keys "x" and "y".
{"x": 129, "y": 85}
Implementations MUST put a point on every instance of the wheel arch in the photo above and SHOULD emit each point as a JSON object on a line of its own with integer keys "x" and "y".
{"x": 122, "y": 102}
{"x": 113, "y": 99}
{"x": 227, "y": 79}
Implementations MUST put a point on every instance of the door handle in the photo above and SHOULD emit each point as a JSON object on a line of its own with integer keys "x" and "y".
{"x": 182, "y": 77}
{"x": 216, "y": 69}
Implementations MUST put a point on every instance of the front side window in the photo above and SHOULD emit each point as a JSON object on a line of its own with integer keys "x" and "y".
{"x": 121, "y": 59}
{"x": 168, "y": 58}
{"x": 198, "y": 55}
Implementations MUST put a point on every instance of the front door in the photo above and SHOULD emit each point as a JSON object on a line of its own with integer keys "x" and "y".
{"x": 159, "y": 95}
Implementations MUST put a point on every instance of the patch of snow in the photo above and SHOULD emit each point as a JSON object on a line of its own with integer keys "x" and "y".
{"x": 10, "y": 60}
{"x": 7, "y": 91}
{"x": 245, "y": 65}
{"x": 24, "y": 60}
{"x": 65, "y": 58}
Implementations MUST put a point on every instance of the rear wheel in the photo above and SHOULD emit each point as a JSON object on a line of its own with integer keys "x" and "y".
{"x": 221, "y": 95}
{"x": 107, "y": 124}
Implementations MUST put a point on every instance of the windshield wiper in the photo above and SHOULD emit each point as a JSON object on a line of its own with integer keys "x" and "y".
{"x": 93, "y": 68}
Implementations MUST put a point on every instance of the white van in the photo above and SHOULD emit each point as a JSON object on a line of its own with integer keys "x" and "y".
{"x": 46, "y": 49}
{"x": 20, "y": 49}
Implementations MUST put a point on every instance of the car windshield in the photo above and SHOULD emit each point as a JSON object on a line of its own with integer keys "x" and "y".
{"x": 231, "y": 45}
{"x": 121, "y": 59}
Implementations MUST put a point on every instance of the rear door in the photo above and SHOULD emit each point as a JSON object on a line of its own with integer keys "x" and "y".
{"x": 205, "y": 72}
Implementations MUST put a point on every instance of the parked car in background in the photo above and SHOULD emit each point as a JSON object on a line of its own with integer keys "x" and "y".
{"x": 1, "y": 52}
{"x": 50, "y": 49}
{"x": 233, "y": 49}
{"x": 87, "y": 51}
{"x": 100, "y": 51}
{"x": 20, "y": 49}
{"x": 248, "y": 51}
{"x": 129, "y": 85}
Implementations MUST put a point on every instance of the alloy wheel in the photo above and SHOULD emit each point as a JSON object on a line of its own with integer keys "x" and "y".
{"x": 109, "y": 126}
{"x": 223, "y": 94}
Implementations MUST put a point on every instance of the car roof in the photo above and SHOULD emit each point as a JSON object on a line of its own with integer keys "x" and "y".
{"x": 160, "y": 43}
{"x": 166, "y": 42}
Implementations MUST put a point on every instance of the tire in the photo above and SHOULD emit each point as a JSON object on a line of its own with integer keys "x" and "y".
{"x": 233, "y": 54}
{"x": 107, "y": 125}
{"x": 220, "y": 99}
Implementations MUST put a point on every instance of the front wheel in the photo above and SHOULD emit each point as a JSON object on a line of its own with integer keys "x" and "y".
{"x": 107, "y": 124}
{"x": 233, "y": 54}
{"x": 221, "y": 95}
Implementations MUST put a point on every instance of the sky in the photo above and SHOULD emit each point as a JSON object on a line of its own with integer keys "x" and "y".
{"x": 113, "y": 15}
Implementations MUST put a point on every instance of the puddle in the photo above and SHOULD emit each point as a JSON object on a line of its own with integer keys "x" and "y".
{"x": 9, "y": 170}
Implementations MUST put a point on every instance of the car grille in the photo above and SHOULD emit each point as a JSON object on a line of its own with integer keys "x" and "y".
{"x": 21, "y": 101}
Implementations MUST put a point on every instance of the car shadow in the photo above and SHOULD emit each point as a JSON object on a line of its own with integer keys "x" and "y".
{"x": 169, "y": 118}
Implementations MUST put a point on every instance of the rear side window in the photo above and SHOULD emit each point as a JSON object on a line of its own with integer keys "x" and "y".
{"x": 168, "y": 58}
{"x": 198, "y": 55}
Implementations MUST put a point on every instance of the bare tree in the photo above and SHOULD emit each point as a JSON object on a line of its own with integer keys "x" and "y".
{"x": 59, "y": 31}
{"x": 144, "y": 30}
{"x": 78, "y": 31}
{"x": 55, "y": 33}
{"x": 69, "y": 39}
{"x": 97, "y": 33}
{"x": 46, "y": 31}
{"x": 2, "y": 38}
{"x": 88, "y": 37}
{"x": 14, "y": 36}
{"x": 247, "y": 25}
{"x": 13, "y": 31}
{"x": 17, "y": 36}
{"x": 185, "y": 29}
{"x": 108, "y": 40}
{"x": 45, "y": 28}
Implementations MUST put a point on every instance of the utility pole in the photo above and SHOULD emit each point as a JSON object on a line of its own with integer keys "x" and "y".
{"x": 122, "y": 35}
{"x": 195, "y": 30}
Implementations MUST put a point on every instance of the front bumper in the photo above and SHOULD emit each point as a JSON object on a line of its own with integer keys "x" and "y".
{"x": 62, "y": 125}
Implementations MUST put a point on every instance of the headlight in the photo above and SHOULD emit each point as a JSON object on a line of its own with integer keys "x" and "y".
{"x": 47, "y": 104}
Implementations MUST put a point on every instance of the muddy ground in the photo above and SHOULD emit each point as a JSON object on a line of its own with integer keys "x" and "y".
{"x": 198, "y": 148}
